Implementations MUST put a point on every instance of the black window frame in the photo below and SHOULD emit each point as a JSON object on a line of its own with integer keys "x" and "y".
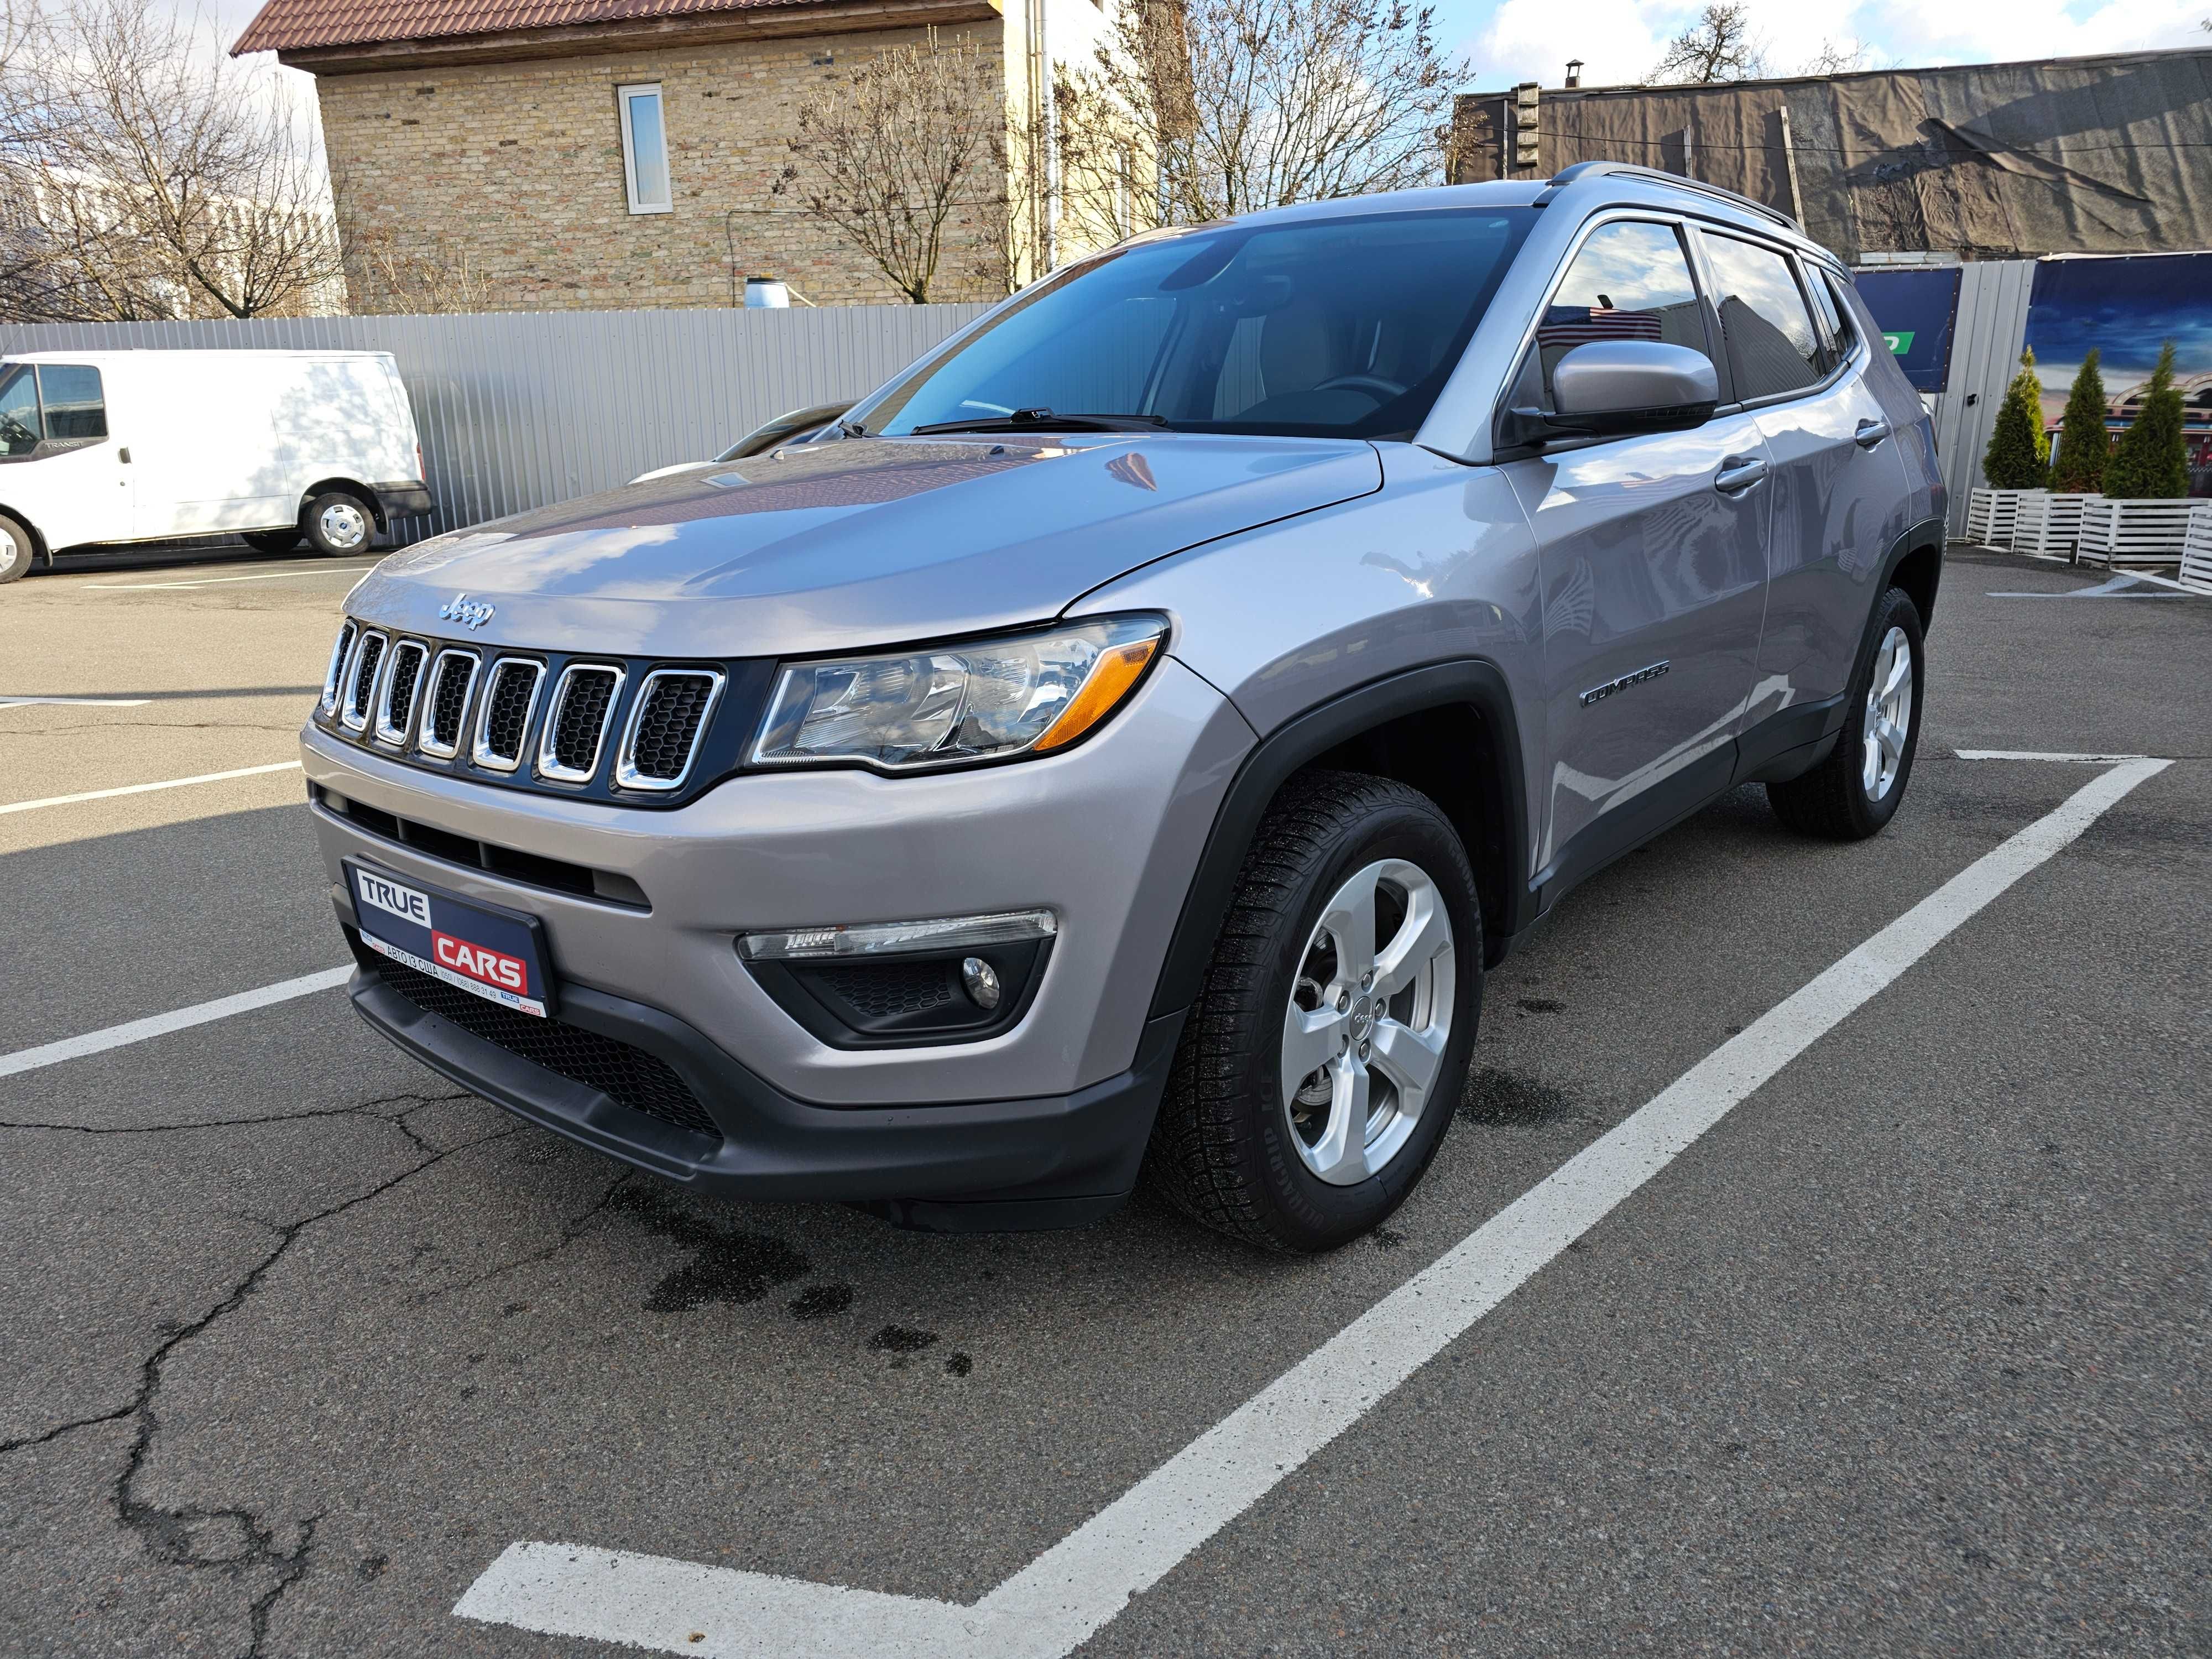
{"x": 48, "y": 444}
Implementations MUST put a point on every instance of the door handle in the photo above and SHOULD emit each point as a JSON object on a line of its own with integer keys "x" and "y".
{"x": 124, "y": 456}
{"x": 1870, "y": 433}
{"x": 1739, "y": 473}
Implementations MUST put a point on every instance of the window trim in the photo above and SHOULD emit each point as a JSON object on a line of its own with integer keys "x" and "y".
{"x": 49, "y": 444}
{"x": 1700, "y": 279}
{"x": 625, "y": 95}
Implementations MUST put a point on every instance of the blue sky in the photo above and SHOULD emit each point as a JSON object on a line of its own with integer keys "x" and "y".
{"x": 1511, "y": 40}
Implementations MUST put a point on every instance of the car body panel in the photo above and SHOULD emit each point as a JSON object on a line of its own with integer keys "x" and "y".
{"x": 859, "y": 542}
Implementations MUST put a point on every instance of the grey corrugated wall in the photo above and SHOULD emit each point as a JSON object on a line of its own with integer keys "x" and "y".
{"x": 518, "y": 410}
{"x": 1985, "y": 342}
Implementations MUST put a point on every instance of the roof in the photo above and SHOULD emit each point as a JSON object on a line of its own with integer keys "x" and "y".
{"x": 306, "y": 25}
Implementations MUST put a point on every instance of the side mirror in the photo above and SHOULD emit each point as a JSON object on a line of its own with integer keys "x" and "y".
{"x": 1609, "y": 388}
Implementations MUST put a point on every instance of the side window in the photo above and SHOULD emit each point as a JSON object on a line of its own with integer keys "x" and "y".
{"x": 1629, "y": 281}
{"x": 1835, "y": 314}
{"x": 20, "y": 426}
{"x": 75, "y": 411}
{"x": 645, "y": 150}
{"x": 1770, "y": 342}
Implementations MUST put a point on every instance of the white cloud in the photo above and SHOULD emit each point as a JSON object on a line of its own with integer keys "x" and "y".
{"x": 1620, "y": 39}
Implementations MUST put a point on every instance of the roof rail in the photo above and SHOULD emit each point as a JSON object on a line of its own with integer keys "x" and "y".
{"x": 1568, "y": 175}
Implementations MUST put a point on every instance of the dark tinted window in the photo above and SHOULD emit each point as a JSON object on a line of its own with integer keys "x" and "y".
{"x": 75, "y": 408}
{"x": 1344, "y": 327}
{"x": 1628, "y": 280}
{"x": 1770, "y": 342}
{"x": 1835, "y": 314}
{"x": 20, "y": 428}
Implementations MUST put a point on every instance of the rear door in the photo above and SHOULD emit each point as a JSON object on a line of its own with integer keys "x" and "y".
{"x": 1652, "y": 560}
{"x": 1839, "y": 494}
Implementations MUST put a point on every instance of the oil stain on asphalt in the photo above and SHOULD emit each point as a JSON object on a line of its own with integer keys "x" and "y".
{"x": 731, "y": 1266}
{"x": 1502, "y": 1099}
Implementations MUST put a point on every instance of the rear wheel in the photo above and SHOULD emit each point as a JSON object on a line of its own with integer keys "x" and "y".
{"x": 338, "y": 522}
{"x": 1855, "y": 791}
{"x": 271, "y": 541}
{"x": 14, "y": 550}
{"x": 1329, "y": 1044}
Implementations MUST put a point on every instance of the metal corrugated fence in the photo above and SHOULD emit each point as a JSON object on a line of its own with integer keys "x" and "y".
{"x": 1985, "y": 343}
{"x": 519, "y": 409}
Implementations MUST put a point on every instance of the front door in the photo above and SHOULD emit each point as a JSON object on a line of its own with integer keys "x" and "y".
{"x": 1652, "y": 556}
{"x": 63, "y": 470}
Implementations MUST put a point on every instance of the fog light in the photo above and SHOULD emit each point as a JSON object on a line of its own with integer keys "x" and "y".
{"x": 982, "y": 983}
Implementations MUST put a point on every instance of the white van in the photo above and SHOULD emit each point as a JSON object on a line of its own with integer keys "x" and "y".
{"x": 104, "y": 446}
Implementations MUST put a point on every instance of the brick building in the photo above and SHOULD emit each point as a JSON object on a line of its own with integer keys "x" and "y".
{"x": 607, "y": 154}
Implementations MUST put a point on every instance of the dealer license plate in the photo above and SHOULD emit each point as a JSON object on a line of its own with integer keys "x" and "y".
{"x": 498, "y": 955}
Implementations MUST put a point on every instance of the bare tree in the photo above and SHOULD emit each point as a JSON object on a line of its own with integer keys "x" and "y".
{"x": 154, "y": 181}
{"x": 1719, "y": 47}
{"x": 1834, "y": 59}
{"x": 1194, "y": 110}
{"x": 384, "y": 277}
{"x": 905, "y": 155}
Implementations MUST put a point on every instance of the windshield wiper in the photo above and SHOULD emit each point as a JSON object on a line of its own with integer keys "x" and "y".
{"x": 852, "y": 428}
{"x": 1043, "y": 420}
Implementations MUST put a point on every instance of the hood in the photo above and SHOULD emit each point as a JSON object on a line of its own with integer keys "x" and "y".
{"x": 857, "y": 543}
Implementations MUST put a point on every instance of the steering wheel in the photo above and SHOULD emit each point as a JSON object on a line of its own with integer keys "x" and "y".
{"x": 1382, "y": 390}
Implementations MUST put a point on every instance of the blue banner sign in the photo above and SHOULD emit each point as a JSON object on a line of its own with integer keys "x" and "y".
{"x": 1915, "y": 309}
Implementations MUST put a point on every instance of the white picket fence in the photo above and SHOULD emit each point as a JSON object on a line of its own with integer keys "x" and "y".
{"x": 2196, "y": 550}
{"x": 2117, "y": 532}
{"x": 1991, "y": 515}
{"x": 2047, "y": 524}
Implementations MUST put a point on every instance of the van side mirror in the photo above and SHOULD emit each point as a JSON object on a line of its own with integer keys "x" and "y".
{"x": 1609, "y": 388}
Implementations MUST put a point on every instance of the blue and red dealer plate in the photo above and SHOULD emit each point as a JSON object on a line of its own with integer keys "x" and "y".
{"x": 498, "y": 955}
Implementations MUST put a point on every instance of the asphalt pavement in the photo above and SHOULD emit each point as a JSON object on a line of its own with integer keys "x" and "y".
{"x": 1905, "y": 1355}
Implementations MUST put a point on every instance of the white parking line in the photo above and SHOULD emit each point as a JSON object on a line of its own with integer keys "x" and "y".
{"x": 75, "y": 702}
{"x": 2042, "y": 755}
{"x": 147, "y": 788}
{"x": 153, "y": 1025}
{"x": 1080, "y": 1583}
{"x": 217, "y": 581}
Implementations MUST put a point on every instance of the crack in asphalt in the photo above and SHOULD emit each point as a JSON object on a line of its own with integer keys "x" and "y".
{"x": 234, "y": 1540}
{"x": 570, "y": 1232}
{"x": 366, "y": 1108}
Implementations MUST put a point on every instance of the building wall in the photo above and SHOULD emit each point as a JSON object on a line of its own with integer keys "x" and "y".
{"x": 513, "y": 173}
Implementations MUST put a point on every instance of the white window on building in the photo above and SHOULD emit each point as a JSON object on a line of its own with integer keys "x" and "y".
{"x": 645, "y": 150}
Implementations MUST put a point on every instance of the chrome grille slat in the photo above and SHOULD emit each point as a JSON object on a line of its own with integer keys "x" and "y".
{"x": 666, "y": 722}
{"x": 341, "y": 654}
{"x": 445, "y": 702}
{"x": 403, "y": 684}
{"x": 361, "y": 680}
{"x": 577, "y": 720}
{"x": 510, "y": 699}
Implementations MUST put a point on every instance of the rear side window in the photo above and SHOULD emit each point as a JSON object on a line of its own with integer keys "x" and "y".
{"x": 75, "y": 410}
{"x": 21, "y": 428}
{"x": 1835, "y": 315}
{"x": 1629, "y": 281}
{"x": 1770, "y": 343}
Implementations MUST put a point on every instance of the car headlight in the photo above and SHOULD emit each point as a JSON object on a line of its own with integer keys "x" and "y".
{"x": 908, "y": 711}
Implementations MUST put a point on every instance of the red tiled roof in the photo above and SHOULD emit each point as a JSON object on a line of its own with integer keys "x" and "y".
{"x": 298, "y": 25}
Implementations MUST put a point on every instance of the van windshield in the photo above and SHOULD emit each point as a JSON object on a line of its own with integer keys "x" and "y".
{"x": 20, "y": 429}
{"x": 1327, "y": 328}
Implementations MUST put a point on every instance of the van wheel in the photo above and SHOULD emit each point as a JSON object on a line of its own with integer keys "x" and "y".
{"x": 1855, "y": 791}
{"x": 1329, "y": 1046}
{"x": 271, "y": 541}
{"x": 14, "y": 550}
{"x": 338, "y": 522}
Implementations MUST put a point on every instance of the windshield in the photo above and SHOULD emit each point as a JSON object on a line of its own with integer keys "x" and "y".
{"x": 1332, "y": 328}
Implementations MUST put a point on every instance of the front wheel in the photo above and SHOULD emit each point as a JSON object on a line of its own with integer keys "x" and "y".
{"x": 1855, "y": 791}
{"x": 338, "y": 524}
{"x": 15, "y": 550}
{"x": 1329, "y": 1046}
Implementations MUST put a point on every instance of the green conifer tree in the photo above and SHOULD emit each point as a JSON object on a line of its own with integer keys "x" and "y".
{"x": 2018, "y": 455}
{"x": 2151, "y": 460}
{"x": 2084, "y": 443}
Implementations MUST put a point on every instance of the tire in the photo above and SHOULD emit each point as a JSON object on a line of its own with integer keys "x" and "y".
{"x": 338, "y": 524}
{"x": 15, "y": 550}
{"x": 1854, "y": 793}
{"x": 271, "y": 541}
{"x": 1239, "y": 1146}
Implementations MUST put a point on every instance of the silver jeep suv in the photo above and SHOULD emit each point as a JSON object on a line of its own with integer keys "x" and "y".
{"x": 1120, "y": 747}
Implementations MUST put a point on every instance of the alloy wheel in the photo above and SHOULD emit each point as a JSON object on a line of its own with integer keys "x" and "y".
{"x": 1369, "y": 1017}
{"x": 1889, "y": 718}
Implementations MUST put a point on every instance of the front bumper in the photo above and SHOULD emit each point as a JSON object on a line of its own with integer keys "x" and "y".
{"x": 1056, "y": 1107}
